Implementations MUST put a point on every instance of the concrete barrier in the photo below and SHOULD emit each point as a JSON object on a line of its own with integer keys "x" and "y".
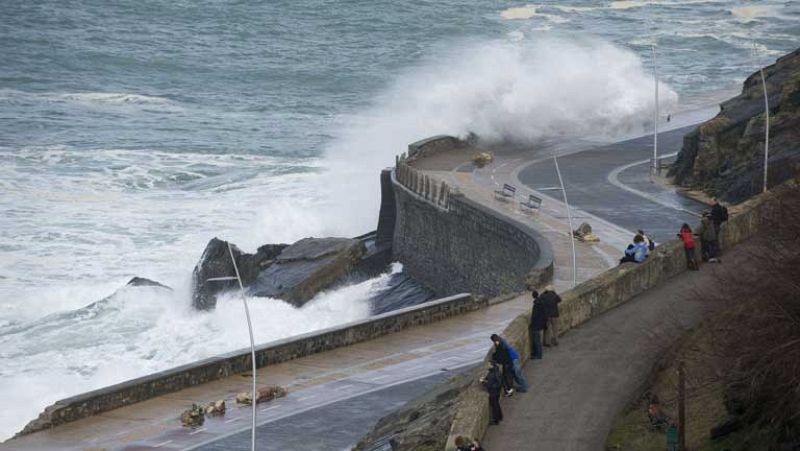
{"x": 610, "y": 289}
{"x": 172, "y": 380}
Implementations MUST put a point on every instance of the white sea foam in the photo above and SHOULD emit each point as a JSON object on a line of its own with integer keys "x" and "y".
{"x": 114, "y": 98}
{"x": 139, "y": 330}
{"x": 628, "y": 4}
{"x": 527, "y": 12}
{"x": 518, "y": 12}
{"x": 751, "y": 12}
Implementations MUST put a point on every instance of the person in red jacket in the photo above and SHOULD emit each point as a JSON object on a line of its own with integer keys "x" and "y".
{"x": 688, "y": 246}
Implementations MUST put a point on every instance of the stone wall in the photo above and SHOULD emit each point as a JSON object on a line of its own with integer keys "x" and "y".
{"x": 610, "y": 289}
{"x": 143, "y": 388}
{"x": 432, "y": 145}
{"x": 452, "y": 244}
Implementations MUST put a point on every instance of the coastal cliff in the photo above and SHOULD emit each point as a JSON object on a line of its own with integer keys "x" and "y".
{"x": 724, "y": 156}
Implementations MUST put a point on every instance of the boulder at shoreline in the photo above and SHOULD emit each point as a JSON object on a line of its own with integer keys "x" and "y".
{"x": 294, "y": 273}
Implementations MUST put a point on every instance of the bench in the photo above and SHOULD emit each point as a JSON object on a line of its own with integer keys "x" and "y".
{"x": 508, "y": 192}
{"x": 533, "y": 203}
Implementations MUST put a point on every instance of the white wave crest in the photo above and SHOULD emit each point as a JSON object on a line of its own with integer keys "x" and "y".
{"x": 115, "y": 98}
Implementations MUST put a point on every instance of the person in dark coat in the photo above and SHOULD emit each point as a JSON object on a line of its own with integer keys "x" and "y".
{"x": 708, "y": 240}
{"x": 718, "y": 214}
{"x": 501, "y": 356}
{"x": 551, "y": 300}
{"x": 537, "y": 326}
{"x": 491, "y": 381}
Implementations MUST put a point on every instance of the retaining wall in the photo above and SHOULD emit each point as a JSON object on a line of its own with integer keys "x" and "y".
{"x": 610, "y": 289}
{"x": 218, "y": 367}
{"x": 460, "y": 245}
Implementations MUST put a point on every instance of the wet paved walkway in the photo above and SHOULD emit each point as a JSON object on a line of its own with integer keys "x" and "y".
{"x": 334, "y": 399}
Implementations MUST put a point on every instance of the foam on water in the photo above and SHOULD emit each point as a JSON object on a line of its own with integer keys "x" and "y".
{"x": 140, "y": 330}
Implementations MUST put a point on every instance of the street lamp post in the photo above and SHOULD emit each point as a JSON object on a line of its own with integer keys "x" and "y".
{"x": 766, "y": 127}
{"x": 569, "y": 221}
{"x": 252, "y": 341}
{"x": 655, "y": 166}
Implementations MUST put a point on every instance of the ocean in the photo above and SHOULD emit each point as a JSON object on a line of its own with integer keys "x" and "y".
{"x": 131, "y": 133}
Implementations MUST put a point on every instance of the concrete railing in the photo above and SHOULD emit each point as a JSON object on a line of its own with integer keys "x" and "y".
{"x": 172, "y": 380}
{"x": 424, "y": 186}
{"x": 608, "y": 290}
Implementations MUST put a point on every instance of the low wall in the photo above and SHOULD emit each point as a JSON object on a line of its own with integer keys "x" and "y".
{"x": 432, "y": 145}
{"x": 461, "y": 245}
{"x": 172, "y": 380}
{"x": 610, "y": 289}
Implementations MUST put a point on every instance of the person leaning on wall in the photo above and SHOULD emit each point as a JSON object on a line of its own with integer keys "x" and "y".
{"x": 550, "y": 300}
{"x": 537, "y": 325}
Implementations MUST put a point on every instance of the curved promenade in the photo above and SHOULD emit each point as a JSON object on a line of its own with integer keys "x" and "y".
{"x": 330, "y": 392}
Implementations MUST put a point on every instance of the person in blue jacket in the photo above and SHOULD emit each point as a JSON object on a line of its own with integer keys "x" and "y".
{"x": 519, "y": 378}
{"x": 640, "y": 249}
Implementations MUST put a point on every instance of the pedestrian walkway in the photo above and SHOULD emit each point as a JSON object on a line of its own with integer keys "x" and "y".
{"x": 334, "y": 397}
{"x": 581, "y": 385}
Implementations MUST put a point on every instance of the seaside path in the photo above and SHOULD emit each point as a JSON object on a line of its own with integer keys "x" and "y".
{"x": 580, "y": 386}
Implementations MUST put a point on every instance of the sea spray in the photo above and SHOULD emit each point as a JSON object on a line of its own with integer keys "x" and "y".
{"x": 141, "y": 330}
{"x": 502, "y": 91}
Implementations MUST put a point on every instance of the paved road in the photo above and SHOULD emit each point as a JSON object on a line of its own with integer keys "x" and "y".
{"x": 580, "y": 386}
{"x": 590, "y": 178}
{"x": 336, "y": 426}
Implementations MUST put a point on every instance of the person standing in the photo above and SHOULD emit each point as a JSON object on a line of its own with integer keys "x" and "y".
{"x": 708, "y": 239}
{"x": 519, "y": 378}
{"x": 551, "y": 300}
{"x": 502, "y": 357}
{"x": 685, "y": 235}
{"x": 537, "y": 326}
{"x": 719, "y": 214}
{"x": 491, "y": 381}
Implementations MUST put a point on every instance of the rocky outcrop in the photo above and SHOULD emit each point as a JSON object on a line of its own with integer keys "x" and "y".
{"x": 306, "y": 267}
{"x": 423, "y": 423}
{"x": 294, "y": 273}
{"x": 724, "y": 156}
{"x": 142, "y": 282}
{"x": 216, "y": 262}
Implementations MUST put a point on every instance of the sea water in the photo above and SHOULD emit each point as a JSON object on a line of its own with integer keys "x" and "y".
{"x": 133, "y": 132}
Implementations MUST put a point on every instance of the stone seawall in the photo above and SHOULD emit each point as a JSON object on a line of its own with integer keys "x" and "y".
{"x": 608, "y": 290}
{"x": 143, "y": 388}
{"x": 453, "y": 244}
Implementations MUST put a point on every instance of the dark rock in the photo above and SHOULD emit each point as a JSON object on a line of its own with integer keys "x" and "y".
{"x": 142, "y": 282}
{"x": 216, "y": 409}
{"x": 193, "y": 417}
{"x": 216, "y": 262}
{"x": 307, "y": 267}
{"x": 724, "y": 156}
{"x": 263, "y": 394}
{"x": 423, "y": 423}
